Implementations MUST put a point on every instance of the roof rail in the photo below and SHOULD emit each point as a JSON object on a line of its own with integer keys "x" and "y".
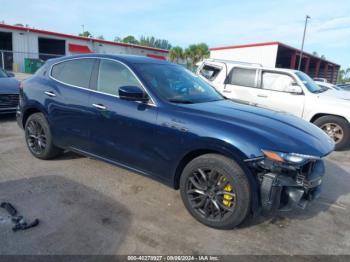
{"x": 233, "y": 61}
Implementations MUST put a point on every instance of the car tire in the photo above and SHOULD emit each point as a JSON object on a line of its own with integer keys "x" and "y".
{"x": 203, "y": 204}
{"x": 335, "y": 121}
{"x": 38, "y": 137}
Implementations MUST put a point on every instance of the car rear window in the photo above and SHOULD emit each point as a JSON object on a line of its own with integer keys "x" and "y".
{"x": 210, "y": 72}
{"x": 75, "y": 72}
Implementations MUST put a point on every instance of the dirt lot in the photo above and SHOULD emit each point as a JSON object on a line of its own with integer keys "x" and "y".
{"x": 90, "y": 207}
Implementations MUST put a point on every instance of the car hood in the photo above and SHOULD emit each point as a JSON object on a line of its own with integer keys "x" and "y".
{"x": 257, "y": 128}
{"x": 9, "y": 85}
{"x": 335, "y": 95}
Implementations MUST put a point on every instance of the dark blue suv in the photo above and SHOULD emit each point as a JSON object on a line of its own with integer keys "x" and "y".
{"x": 158, "y": 119}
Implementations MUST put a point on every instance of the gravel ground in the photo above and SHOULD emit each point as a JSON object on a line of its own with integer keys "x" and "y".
{"x": 91, "y": 207}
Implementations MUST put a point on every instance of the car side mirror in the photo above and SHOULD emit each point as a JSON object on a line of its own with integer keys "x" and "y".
{"x": 10, "y": 74}
{"x": 132, "y": 93}
{"x": 294, "y": 88}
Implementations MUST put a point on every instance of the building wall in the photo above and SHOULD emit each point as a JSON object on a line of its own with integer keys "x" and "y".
{"x": 264, "y": 55}
{"x": 25, "y": 45}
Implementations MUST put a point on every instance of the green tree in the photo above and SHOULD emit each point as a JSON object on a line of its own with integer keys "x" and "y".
{"x": 344, "y": 76}
{"x": 151, "y": 41}
{"x": 176, "y": 54}
{"x": 86, "y": 34}
{"x": 130, "y": 39}
{"x": 195, "y": 53}
{"x": 101, "y": 37}
{"x": 117, "y": 39}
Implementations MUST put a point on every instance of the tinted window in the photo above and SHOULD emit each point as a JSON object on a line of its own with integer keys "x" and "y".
{"x": 113, "y": 75}
{"x": 74, "y": 72}
{"x": 210, "y": 72}
{"x": 276, "y": 82}
{"x": 176, "y": 84}
{"x": 242, "y": 77}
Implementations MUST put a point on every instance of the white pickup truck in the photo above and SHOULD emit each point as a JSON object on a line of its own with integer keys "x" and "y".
{"x": 285, "y": 90}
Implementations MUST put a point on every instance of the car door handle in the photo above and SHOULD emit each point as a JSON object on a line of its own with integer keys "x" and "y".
{"x": 260, "y": 95}
{"x": 49, "y": 93}
{"x": 99, "y": 106}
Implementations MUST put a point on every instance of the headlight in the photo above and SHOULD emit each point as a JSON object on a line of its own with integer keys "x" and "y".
{"x": 293, "y": 158}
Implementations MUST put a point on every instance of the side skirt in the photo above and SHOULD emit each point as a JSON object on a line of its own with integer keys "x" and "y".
{"x": 122, "y": 165}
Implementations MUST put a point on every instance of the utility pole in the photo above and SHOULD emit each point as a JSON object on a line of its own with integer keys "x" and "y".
{"x": 302, "y": 43}
{"x": 83, "y": 28}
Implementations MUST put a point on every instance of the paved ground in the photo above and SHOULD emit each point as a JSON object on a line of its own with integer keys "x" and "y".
{"x": 90, "y": 207}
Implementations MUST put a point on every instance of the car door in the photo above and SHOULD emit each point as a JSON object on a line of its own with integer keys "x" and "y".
{"x": 67, "y": 102}
{"x": 242, "y": 85}
{"x": 121, "y": 131}
{"x": 275, "y": 93}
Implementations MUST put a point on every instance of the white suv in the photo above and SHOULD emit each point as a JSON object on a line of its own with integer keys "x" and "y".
{"x": 285, "y": 90}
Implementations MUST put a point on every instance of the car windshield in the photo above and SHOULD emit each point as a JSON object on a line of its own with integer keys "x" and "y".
{"x": 309, "y": 83}
{"x": 176, "y": 84}
{"x": 3, "y": 73}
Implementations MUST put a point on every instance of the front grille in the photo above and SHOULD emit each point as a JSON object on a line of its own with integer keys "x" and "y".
{"x": 8, "y": 100}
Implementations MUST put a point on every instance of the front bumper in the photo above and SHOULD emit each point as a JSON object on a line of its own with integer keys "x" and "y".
{"x": 285, "y": 191}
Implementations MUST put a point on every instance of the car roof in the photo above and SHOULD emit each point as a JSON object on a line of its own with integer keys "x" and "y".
{"x": 127, "y": 59}
{"x": 247, "y": 65}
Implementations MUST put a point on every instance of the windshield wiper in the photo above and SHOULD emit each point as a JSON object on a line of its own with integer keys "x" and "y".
{"x": 180, "y": 101}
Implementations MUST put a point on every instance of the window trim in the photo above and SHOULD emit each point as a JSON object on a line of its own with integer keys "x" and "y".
{"x": 277, "y": 72}
{"x": 256, "y": 79}
{"x": 98, "y": 59}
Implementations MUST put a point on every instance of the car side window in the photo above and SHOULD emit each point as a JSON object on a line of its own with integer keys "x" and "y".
{"x": 276, "y": 81}
{"x": 242, "y": 77}
{"x": 113, "y": 75}
{"x": 210, "y": 72}
{"x": 75, "y": 72}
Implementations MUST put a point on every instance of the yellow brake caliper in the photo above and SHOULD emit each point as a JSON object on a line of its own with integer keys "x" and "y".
{"x": 227, "y": 198}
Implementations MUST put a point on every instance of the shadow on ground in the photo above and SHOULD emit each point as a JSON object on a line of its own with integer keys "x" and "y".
{"x": 335, "y": 184}
{"x": 74, "y": 219}
{"x": 7, "y": 118}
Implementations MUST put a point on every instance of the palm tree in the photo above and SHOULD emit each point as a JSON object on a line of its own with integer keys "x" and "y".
{"x": 176, "y": 54}
{"x": 203, "y": 51}
{"x": 196, "y": 53}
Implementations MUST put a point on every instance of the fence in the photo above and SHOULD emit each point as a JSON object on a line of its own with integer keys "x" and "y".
{"x": 23, "y": 62}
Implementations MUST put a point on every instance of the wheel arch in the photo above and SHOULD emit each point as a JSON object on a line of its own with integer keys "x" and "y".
{"x": 319, "y": 115}
{"x": 229, "y": 152}
{"x": 29, "y": 111}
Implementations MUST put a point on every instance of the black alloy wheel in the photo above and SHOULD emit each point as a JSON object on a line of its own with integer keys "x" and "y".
{"x": 210, "y": 194}
{"x": 216, "y": 191}
{"x": 36, "y": 137}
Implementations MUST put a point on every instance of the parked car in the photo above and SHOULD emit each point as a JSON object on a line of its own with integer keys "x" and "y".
{"x": 158, "y": 119}
{"x": 283, "y": 90}
{"x": 345, "y": 87}
{"x": 329, "y": 86}
{"x": 319, "y": 79}
{"x": 9, "y": 92}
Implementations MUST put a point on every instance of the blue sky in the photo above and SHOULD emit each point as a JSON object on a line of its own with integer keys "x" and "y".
{"x": 182, "y": 22}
